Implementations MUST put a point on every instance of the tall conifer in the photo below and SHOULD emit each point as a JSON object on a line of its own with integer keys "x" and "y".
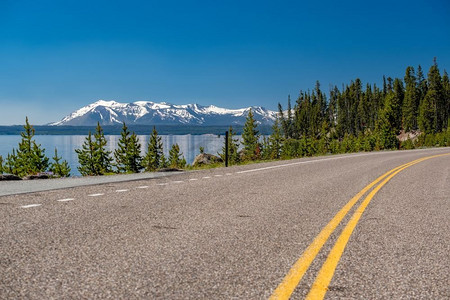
{"x": 446, "y": 87}
{"x": 290, "y": 125}
{"x": 250, "y": 137}
{"x": 410, "y": 109}
{"x": 433, "y": 107}
{"x": 128, "y": 153}
{"x": 386, "y": 133}
{"x": 176, "y": 159}
{"x": 421, "y": 86}
{"x": 86, "y": 158}
{"x": 275, "y": 140}
{"x": 440, "y": 109}
{"x": 102, "y": 156}
{"x": 396, "y": 104}
{"x": 152, "y": 159}
{"x": 30, "y": 156}
{"x": 426, "y": 117}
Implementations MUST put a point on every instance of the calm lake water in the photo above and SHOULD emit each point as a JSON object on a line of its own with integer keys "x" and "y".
{"x": 66, "y": 145}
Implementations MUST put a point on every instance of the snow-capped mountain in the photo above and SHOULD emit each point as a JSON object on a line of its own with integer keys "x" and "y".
{"x": 152, "y": 113}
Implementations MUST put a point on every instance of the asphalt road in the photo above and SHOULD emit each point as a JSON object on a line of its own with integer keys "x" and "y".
{"x": 233, "y": 233}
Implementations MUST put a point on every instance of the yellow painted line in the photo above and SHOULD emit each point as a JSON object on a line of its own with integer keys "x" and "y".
{"x": 320, "y": 285}
{"x": 295, "y": 274}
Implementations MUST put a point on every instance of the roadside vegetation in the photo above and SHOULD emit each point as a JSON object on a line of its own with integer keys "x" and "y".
{"x": 29, "y": 159}
{"x": 407, "y": 113}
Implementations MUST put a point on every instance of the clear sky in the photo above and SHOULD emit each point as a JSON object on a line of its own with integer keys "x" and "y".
{"x": 57, "y": 56}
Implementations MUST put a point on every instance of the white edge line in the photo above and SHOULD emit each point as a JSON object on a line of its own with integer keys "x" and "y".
{"x": 30, "y": 205}
{"x": 297, "y": 163}
{"x": 64, "y": 200}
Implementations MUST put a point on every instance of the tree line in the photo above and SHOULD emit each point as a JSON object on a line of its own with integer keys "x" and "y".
{"x": 371, "y": 117}
{"x": 95, "y": 159}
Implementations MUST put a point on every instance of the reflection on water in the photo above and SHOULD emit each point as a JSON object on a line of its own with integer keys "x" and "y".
{"x": 66, "y": 145}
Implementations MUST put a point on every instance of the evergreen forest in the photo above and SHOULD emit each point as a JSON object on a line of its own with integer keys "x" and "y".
{"x": 403, "y": 113}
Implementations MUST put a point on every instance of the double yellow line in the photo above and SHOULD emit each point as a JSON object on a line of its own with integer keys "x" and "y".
{"x": 320, "y": 285}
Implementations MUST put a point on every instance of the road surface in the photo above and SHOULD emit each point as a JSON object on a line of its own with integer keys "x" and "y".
{"x": 239, "y": 233}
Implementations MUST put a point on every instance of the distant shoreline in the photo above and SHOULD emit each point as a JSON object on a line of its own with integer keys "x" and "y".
{"x": 138, "y": 129}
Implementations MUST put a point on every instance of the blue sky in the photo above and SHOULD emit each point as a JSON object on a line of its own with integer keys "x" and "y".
{"x": 57, "y": 56}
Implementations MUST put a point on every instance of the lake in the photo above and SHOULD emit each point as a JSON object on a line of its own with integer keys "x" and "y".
{"x": 66, "y": 145}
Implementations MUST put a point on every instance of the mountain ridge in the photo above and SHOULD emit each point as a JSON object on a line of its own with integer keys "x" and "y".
{"x": 162, "y": 113}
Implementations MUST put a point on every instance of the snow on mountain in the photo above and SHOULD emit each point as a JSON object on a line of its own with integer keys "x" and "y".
{"x": 152, "y": 113}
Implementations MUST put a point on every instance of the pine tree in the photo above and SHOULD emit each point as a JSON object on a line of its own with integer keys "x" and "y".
{"x": 290, "y": 125}
{"x": 39, "y": 160}
{"x": 321, "y": 101}
{"x": 120, "y": 154}
{"x": 446, "y": 87}
{"x": 409, "y": 110}
{"x": 128, "y": 154}
{"x": 287, "y": 122}
{"x": 176, "y": 159}
{"x": 427, "y": 114}
{"x": 324, "y": 141}
{"x": 347, "y": 111}
{"x": 389, "y": 84}
{"x": 152, "y": 159}
{"x": 58, "y": 168}
{"x": 332, "y": 107}
{"x": 386, "y": 133}
{"x": 303, "y": 112}
{"x": 396, "y": 104}
{"x": 102, "y": 157}
{"x": 390, "y": 112}
{"x": 284, "y": 123}
{"x": 25, "y": 151}
{"x": 362, "y": 112}
{"x": 250, "y": 137}
{"x": 377, "y": 102}
{"x": 11, "y": 163}
{"x": 437, "y": 97}
{"x": 432, "y": 110}
{"x": 265, "y": 148}
{"x": 314, "y": 117}
{"x": 30, "y": 157}
{"x": 134, "y": 154}
{"x": 275, "y": 141}
{"x": 1, "y": 164}
{"x": 421, "y": 85}
{"x": 86, "y": 158}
